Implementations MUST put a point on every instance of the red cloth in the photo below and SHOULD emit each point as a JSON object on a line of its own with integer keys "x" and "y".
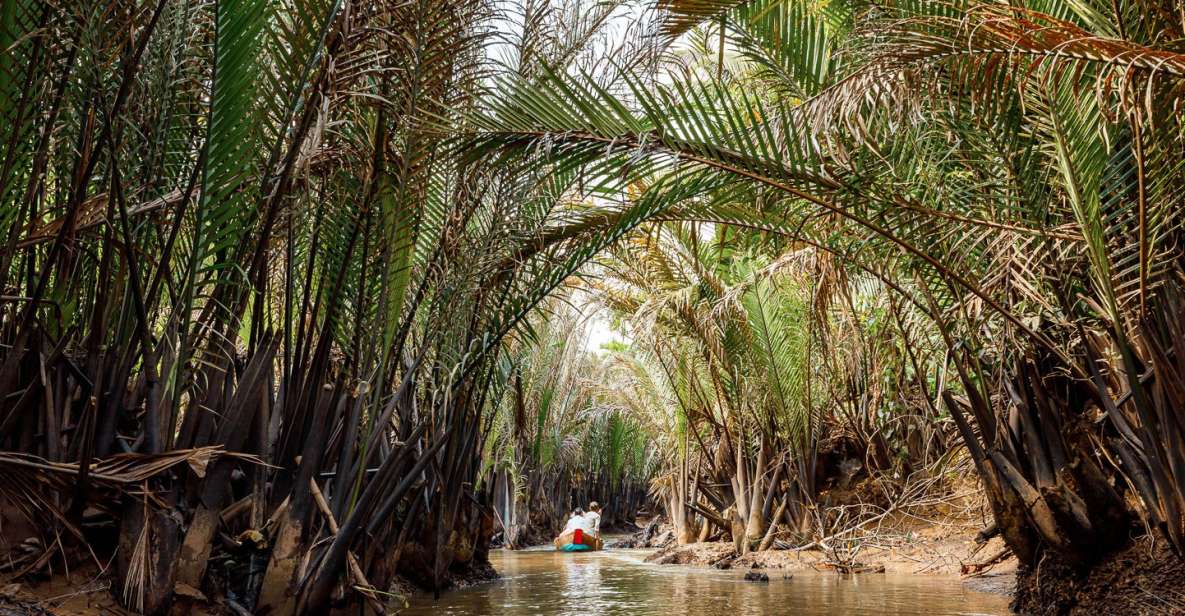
{"x": 578, "y": 536}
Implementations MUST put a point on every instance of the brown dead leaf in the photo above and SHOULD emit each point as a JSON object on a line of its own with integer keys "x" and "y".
{"x": 185, "y": 590}
{"x": 253, "y": 537}
{"x": 199, "y": 460}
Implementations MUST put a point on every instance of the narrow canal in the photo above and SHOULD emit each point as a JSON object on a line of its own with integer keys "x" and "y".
{"x": 545, "y": 582}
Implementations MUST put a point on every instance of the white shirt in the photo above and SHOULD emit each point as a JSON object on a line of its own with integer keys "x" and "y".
{"x": 592, "y": 522}
{"x": 574, "y": 522}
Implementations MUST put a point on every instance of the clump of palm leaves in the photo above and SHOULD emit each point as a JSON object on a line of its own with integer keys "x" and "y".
{"x": 1010, "y": 171}
{"x": 741, "y": 381}
{"x": 245, "y": 224}
{"x": 559, "y": 438}
{"x": 315, "y": 231}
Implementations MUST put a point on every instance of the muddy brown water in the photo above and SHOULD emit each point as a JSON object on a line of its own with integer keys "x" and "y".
{"x": 545, "y": 582}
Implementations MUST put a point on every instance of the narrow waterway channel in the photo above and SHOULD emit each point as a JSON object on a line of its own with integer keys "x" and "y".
{"x": 545, "y": 582}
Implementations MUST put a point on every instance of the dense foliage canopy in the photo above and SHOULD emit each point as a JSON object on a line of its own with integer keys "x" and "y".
{"x": 285, "y": 279}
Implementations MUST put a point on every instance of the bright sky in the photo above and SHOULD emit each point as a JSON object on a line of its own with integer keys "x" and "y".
{"x": 599, "y": 333}
{"x": 597, "y": 326}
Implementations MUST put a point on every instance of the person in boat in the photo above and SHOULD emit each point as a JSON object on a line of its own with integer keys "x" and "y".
{"x": 592, "y": 519}
{"x": 581, "y": 533}
{"x": 575, "y": 521}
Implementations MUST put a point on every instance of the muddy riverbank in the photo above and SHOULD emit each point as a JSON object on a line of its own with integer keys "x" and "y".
{"x": 945, "y": 549}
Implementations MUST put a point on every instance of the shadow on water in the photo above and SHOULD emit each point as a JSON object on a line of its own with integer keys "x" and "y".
{"x": 618, "y": 582}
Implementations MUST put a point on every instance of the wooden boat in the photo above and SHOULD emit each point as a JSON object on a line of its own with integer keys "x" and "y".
{"x": 577, "y": 541}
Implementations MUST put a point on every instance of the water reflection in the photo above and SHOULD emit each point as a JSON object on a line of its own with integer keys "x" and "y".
{"x": 617, "y": 582}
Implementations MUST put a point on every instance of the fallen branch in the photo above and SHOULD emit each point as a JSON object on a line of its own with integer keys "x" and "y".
{"x": 852, "y": 568}
{"x": 974, "y": 569}
{"x": 986, "y": 534}
{"x": 769, "y": 532}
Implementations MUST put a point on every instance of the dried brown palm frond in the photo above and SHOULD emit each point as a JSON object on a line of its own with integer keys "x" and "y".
{"x": 37, "y": 489}
{"x": 135, "y": 583}
{"x": 117, "y": 471}
{"x": 683, "y": 15}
